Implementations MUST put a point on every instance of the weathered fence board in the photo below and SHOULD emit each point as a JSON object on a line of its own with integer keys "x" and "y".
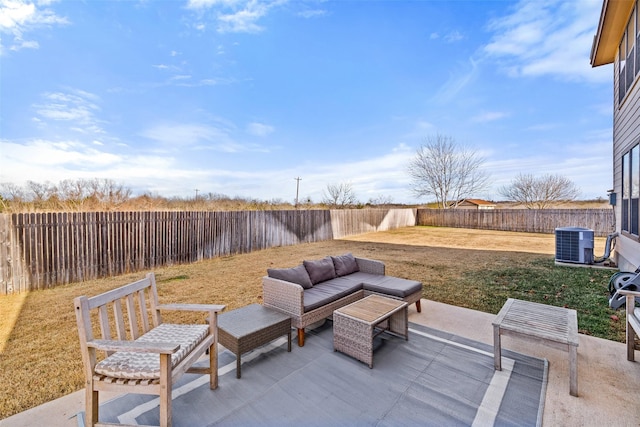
{"x": 601, "y": 221}
{"x": 40, "y": 251}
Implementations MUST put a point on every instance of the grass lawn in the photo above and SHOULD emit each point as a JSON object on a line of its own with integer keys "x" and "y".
{"x": 40, "y": 357}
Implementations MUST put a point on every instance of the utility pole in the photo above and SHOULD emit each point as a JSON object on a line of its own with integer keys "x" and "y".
{"x": 298, "y": 179}
{"x": 196, "y": 194}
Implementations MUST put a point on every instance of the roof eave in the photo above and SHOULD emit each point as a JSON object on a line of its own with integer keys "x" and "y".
{"x": 613, "y": 21}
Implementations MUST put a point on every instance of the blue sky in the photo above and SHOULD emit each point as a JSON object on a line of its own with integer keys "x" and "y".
{"x": 241, "y": 97}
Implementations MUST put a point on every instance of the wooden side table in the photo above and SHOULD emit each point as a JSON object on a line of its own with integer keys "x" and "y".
{"x": 553, "y": 326}
{"x": 249, "y": 327}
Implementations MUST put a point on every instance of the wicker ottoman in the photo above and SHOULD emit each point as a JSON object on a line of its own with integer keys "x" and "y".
{"x": 249, "y": 327}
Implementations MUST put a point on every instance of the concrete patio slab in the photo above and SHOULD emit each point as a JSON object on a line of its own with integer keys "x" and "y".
{"x": 608, "y": 384}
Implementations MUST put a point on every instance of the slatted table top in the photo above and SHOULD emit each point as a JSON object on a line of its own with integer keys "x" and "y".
{"x": 372, "y": 309}
{"x": 551, "y": 323}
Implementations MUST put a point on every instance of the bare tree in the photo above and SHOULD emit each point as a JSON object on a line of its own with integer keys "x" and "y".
{"x": 12, "y": 192}
{"x": 107, "y": 192}
{"x": 381, "y": 200}
{"x": 447, "y": 170}
{"x": 11, "y": 195}
{"x": 339, "y": 195}
{"x": 73, "y": 194}
{"x": 540, "y": 192}
{"x": 41, "y": 192}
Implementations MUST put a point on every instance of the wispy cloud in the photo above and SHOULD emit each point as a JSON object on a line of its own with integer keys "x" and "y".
{"x": 196, "y": 136}
{"x": 450, "y": 37}
{"x": 464, "y": 74}
{"x": 489, "y": 116}
{"x": 21, "y": 17}
{"x": 43, "y": 160}
{"x": 547, "y": 37}
{"x": 453, "y": 36}
{"x": 312, "y": 13}
{"x": 235, "y": 16}
{"x": 49, "y": 156}
{"x": 178, "y": 136}
{"x": 74, "y": 106}
{"x": 259, "y": 129}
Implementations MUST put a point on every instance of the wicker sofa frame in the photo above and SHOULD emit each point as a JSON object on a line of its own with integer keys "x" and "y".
{"x": 288, "y": 298}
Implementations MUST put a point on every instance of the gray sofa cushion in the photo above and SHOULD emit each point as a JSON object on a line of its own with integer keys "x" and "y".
{"x": 345, "y": 264}
{"x": 297, "y": 275}
{"x": 320, "y": 270}
{"x": 394, "y": 286}
{"x": 362, "y": 277}
{"x": 329, "y": 291}
{"x": 387, "y": 285}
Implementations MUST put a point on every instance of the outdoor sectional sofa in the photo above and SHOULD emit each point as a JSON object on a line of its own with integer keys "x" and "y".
{"x": 311, "y": 291}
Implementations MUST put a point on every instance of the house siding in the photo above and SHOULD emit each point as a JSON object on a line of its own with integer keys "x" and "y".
{"x": 626, "y": 134}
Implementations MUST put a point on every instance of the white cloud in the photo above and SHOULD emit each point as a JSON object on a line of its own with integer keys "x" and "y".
{"x": 242, "y": 21}
{"x": 45, "y": 160}
{"x": 18, "y": 17}
{"x": 24, "y": 44}
{"x": 312, "y": 13}
{"x": 259, "y": 129}
{"x": 203, "y": 4}
{"x": 74, "y": 106}
{"x": 184, "y": 135}
{"x": 548, "y": 37}
{"x": 176, "y": 137}
{"x": 489, "y": 116}
{"x": 453, "y": 36}
{"x": 235, "y": 16}
{"x": 464, "y": 74}
{"x": 51, "y": 155}
{"x": 181, "y": 77}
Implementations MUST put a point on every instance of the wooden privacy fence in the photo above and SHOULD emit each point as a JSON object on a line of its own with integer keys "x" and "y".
{"x": 601, "y": 221}
{"x": 42, "y": 250}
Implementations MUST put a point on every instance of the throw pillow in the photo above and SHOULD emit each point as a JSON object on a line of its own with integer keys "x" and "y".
{"x": 297, "y": 275}
{"x": 345, "y": 264}
{"x": 320, "y": 270}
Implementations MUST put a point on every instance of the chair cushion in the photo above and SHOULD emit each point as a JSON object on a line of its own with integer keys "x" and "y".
{"x": 297, "y": 275}
{"x": 146, "y": 366}
{"x": 320, "y": 270}
{"x": 345, "y": 264}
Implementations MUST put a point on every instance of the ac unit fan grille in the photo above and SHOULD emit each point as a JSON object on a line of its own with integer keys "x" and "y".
{"x": 568, "y": 246}
{"x": 574, "y": 244}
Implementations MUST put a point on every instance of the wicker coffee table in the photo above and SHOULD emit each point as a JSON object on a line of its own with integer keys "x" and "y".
{"x": 357, "y": 324}
{"x": 249, "y": 327}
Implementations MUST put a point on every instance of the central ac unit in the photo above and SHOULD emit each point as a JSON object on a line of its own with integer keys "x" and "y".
{"x": 574, "y": 244}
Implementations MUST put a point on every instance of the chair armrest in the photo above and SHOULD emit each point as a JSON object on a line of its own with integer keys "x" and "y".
{"x": 371, "y": 266}
{"x": 628, "y": 292}
{"x": 192, "y": 307}
{"x": 134, "y": 346}
{"x": 285, "y": 296}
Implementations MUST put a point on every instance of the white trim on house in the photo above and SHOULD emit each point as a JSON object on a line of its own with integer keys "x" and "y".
{"x": 617, "y": 41}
